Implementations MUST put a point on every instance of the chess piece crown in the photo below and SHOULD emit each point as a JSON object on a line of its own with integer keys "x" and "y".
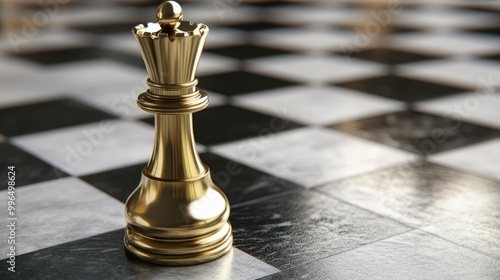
{"x": 176, "y": 216}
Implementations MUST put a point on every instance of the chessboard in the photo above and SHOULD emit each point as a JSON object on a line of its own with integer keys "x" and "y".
{"x": 353, "y": 139}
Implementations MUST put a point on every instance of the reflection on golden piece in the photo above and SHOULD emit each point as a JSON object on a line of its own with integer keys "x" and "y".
{"x": 177, "y": 216}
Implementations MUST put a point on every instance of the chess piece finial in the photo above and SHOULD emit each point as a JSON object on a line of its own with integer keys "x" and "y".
{"x": 169, "y": 15}
{"x": 177, "y": 215}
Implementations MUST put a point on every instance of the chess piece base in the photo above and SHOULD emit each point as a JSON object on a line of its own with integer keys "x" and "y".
{"x": 205, "y": 253}
{"x": 178, "y": 222}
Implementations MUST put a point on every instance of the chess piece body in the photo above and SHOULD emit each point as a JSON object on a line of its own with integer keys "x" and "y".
{"x": 176, "y": 216}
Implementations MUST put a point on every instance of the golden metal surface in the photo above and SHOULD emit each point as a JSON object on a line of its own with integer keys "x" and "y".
{"x": 176, "y": 216}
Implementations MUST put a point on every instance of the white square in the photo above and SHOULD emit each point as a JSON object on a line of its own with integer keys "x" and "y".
{"x": 434, "y": 17}
{"x": 68, "y": 76}
{"x": 119, "y": 99}
{"x": 82, "y": 15}
{"x": 482, "y": 158}
{"x": 481, "y": 107}
{"x": 213, "y": 64}
{"x": 320, "y": 69}
{"x": 446, "y": 43}
{"x": 22, "y": 82}
{"x": 312, "y": 156}
{"x": 223, "y": 37}
{"x": 469, "y": 73}
{"x": 58, "y": 211}
{"x": 236, "y": 264}
{"x": 220, "y": 12}
{"x": 19, "y": 92}
{"x": 42, "y": 40}
{"x": 325, "y": 105}
{"x": 15, "y": 68}
{"x": 323, "y": 14}
{"x": 125, "y": 43}
{"x": 86, "y": 149}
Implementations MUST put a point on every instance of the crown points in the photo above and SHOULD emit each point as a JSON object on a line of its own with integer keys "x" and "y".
{"x": 169, "y": 15}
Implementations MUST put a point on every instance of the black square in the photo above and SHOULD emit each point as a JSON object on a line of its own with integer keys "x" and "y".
{"x": 47, "y": 115}
{"x": 301, "y": 227}
{"x": 240, "y": 82}
{"x": 77, "y": 260}
{"x": 418, "y": 132}
{"x": 241, "y": 183}
{"x": 493, "y": 57}
{"x": 227, "y": 123}
{"x": 388, "y": 56}
{"x": 247, "y": 51}
{"x": 28, "y": 169}
{"x": 256, "y": 26}
{"x": 118, "y": 183}
{"x": 55, "y": 56}
{"x": 488, "y": 30}
{"x": 401, "y": 88}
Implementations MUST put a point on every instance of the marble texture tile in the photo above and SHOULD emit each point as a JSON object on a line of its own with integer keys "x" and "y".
{"x": 419, "y": 133}
{"x": 118, "y": 183}
{"x": 104, "y": 257}
{"x": 433, "y": 18}
{"x": 58, "y": 211}
{"x": 117, "y": 99}
{"x": 85, "y": 149}
{"x": 412, "y": 255}
{"x": 124, "y": 43}
{"x": 325, "y": 105}
{"x": 28, "y": 168}
{"x": 45, "y": 40}
{"x": 241, "y": 183}
{"x": 98, "y": 72}
{"x": 14, "y": 67}
{"x": 470, "y": 73}
{"x": 220, "y": 13}
{"x": 301, "y": 227}
{"x": 446, "y": 43}
{"x": 390, "y": 56}
{"x": 314, "y": 156}
{"x": 321, "y": 69}
{"x": 416, "y": 194}
{"x": 240, "y": 82}
{"x": 213, "y": 64}
{"x": 401, "y": 88}
{"x": 78, "y": 15}
{"x": 219, "y": 37}
{"x": 40, "y": 116}
{"x": 17, "y": 92}
{"x": 480, "y": 107}
{"x": 229, "y": 123}
{"x": 482, "y": 158}
{"x": 320, "y": 14}
{"x": 478, "y": 230}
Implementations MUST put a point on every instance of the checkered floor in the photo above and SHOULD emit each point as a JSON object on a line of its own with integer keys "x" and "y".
{"x": 366, "y": 137}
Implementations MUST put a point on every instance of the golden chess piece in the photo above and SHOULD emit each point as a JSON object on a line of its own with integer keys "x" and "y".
{"x": 176, "y": 216}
